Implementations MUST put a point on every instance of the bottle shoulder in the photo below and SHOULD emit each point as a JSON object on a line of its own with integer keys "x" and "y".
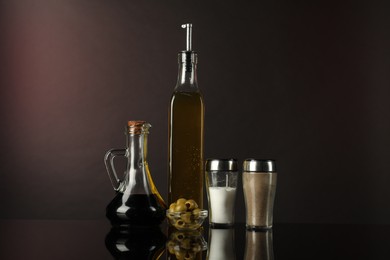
{"x": 186, "y": 88}
{"x": 184, "y": 101}
{"x": 185, "y": 95}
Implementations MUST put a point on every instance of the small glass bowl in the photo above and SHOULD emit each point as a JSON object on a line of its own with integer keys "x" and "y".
{"x": 187, "y": 220}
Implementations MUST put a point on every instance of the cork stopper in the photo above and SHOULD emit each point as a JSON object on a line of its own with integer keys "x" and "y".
{"x": 135, "y": 123}
{"x": 137, "y": 127}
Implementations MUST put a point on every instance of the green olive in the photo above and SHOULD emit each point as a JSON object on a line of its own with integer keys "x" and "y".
{"x": 180, "y": 207}
{"x": 172, "y": 207}
{"x": 191, "y": 204}
{"x": 181, "y": 201}
{"x": 186, "y": 217}
{"x": 196, "y": 212}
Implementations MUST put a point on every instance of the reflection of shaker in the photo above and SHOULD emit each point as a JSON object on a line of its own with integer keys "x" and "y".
{"x": 221, "y": 244}
{"x": 259, "y": 185}
{"x": 258, "y": 245}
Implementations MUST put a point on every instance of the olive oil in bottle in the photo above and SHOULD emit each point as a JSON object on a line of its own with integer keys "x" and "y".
{"x": 186, "y": 117}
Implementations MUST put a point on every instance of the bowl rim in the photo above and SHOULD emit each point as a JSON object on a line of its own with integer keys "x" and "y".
{"x": 202, "y": 213}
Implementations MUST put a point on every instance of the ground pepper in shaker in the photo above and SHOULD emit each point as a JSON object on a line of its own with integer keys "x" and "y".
{"x": 259, "y": 186}
{"x": 221, "y": 185}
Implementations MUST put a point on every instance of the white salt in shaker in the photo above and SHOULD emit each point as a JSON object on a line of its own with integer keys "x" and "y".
{"x": 221, "y": 185}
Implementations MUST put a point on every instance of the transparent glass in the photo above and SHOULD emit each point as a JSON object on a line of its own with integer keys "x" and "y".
{"x": 137, "y": 201}
{"x": 259, "y": 194}
{"x": 186, "y": 123}
{"x": 221, "y": 189}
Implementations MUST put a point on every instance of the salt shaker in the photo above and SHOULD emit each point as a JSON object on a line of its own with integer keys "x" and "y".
{"x": 259, "y": 185}
{"x": 221, "y": 185}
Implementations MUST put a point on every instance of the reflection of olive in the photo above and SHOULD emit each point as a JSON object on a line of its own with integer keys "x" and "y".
{"x": 196, "y": 248}
{"x": 180, "y": 223}
{"x": 171, "y": 247}
{"x": 171, "y": 250}
{"x": 179, "y": 236}
{"x": 189, "y": 256}
{"x": 186, "y": 244}
{"x": 180, "y": 254}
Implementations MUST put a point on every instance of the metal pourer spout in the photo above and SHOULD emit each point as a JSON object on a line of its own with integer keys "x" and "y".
{"x": 188, "y": 57}
{"x": 189, "y": 35}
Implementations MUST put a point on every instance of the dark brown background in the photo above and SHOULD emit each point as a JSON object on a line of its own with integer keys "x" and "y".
{"x": 306, "y": 83}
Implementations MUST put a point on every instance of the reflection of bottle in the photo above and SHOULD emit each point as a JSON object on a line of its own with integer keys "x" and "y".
{"x": 221, "y": 244}
{"x": 186, "y": 116}
{"x": 136, "y": 243}
{"x": 259, "y": 245}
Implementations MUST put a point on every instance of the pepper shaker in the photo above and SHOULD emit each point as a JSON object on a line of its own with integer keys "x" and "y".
{"x": 259, "y": 185}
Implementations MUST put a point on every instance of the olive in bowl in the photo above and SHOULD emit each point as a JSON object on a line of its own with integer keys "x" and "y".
{"x": 185, "y": 214}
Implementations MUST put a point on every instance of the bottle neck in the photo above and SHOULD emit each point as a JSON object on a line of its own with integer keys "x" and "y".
{"x": 136, "y": 180}
{"x": 187, "y": 75}
{"x": 137, "y": 150}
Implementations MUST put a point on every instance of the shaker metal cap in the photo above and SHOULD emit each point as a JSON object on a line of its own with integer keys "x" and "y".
{"x": 221, "y": 165}
{"x": 253, "y": 165}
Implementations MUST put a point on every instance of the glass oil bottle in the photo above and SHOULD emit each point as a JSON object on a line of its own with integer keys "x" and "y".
{"x": 137, "y": 202}
{"x": 186, "y": 123}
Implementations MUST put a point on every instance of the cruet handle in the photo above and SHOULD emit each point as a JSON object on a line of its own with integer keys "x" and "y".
{"x": 109, "y": 162}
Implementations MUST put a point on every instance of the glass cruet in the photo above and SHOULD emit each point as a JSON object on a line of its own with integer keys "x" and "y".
{"x": 137, "y": 201}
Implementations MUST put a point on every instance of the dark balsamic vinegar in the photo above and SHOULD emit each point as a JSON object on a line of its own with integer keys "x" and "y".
{"x": 141, "y": 210}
